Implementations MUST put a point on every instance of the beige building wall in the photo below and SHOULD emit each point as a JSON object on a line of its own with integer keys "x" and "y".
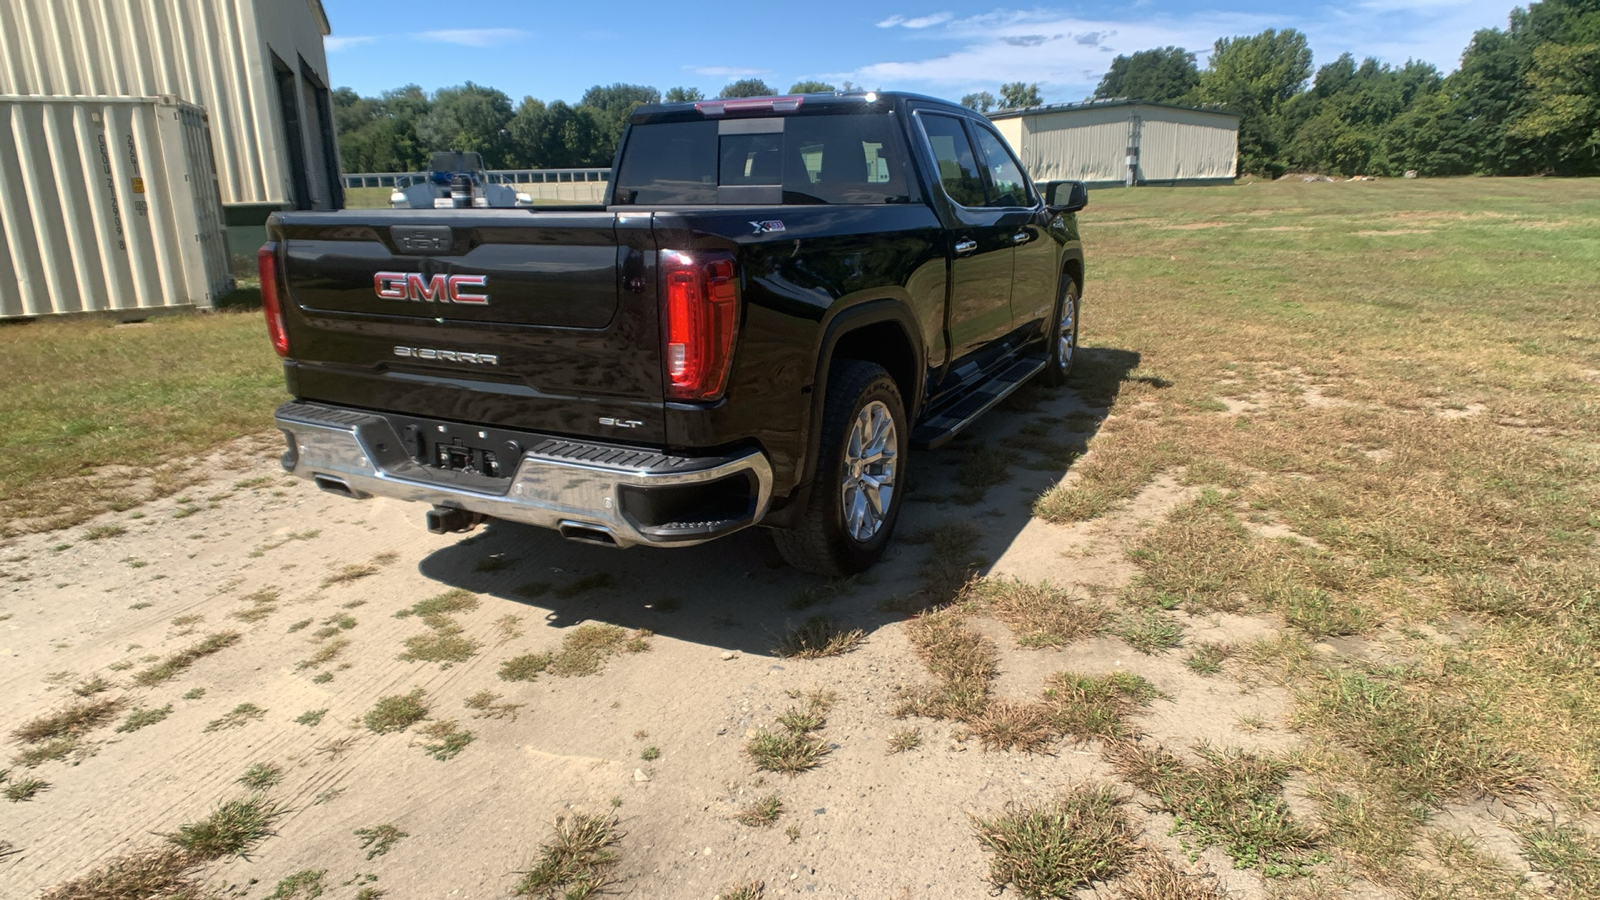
{"x": 235, "y": 58}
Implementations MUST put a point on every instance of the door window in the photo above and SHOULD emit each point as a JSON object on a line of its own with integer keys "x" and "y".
{"x": 958, "y": 168}
{"x": 1005, "y": 176}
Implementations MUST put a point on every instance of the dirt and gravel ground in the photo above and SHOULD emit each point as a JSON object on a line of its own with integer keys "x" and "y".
{"x": 312, "y": 584}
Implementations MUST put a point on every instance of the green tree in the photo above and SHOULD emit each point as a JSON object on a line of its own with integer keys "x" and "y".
{"x": 812, "y": 87}
{"x": 982, "y": 101}
{"x": 747, "y": 87}
{"x": 378, "y": 134}
{"x": 613, "y": 104}
{"x": 1255, "y": 77}
{"x": 1162, "y": 75}
{"x": 1017, "y": 95}
{"x": 469, "y": 118}
{"x": 684, "y": 95}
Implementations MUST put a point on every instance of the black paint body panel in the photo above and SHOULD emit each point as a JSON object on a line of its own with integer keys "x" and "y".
{"x": 574, "y": 318}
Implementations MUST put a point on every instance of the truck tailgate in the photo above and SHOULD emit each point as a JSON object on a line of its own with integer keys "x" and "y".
{"x": 542, "y": 321}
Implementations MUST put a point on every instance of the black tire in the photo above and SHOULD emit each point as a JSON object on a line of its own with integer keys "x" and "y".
{"x": 1057, "y": 370}
{"x": 820, "y": 541}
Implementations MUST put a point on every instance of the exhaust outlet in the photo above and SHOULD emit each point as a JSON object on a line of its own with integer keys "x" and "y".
{"x": 586, "y": 534}
{"x": 451, "y": 520}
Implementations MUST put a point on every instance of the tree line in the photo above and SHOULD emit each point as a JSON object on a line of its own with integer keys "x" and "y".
{"x": 1525, "y": 100}
{"x": 397, "y": 130}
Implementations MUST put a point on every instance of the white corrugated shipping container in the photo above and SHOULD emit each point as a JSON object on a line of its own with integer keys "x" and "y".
{"x": 108, "y": 204}
{"x": 241, "y": 60}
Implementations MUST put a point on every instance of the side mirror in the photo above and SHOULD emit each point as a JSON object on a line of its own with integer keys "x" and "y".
{"x": 1066, "y": 196}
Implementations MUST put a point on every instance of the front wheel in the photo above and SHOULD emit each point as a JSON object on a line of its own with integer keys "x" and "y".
{"x": 856, "y": 496}
{"x": 1063, "y": 335}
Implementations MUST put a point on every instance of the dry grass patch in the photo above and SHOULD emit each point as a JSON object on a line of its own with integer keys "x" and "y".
{"x": 762, "y": 813}
{"x": 262, "y": 776}
{"x": 161, "y": 872}
{"x": 1565, "y": 852}
{"x": 962, "y": 661}
{"x": 981, "y": 468}
{"x": 1429, "y": 747}
{"x": 1149, "y": 631}
{"x": 1041, "y": 614}
{"x": 1051, "y": 849}
{"x": 173, "y": 665}
{"x": 444, "y": 739}
{"x": 1155, "y": 877}
{"x": 72, "y": 721}
{"x": 575, "y": 863}
{"x": 949, "y": 565}
{"x": 817, "y": 637}
{"x": 324, "y": 654}
{"x": 485, "y": 706}
{"x": 344, "y": 574}
{"x": 1232, "y": 799}
{"x": 743, "y": 890}
{"x": 583, "y": 652}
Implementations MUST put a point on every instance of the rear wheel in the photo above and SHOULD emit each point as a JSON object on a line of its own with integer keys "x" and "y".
{"x": 856, "y": 496}
{"x": 1063, "y": 336}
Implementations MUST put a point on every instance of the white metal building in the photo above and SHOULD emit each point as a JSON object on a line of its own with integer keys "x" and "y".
{"x": 256, "y": 66}
{"x": 1097, "y": 142}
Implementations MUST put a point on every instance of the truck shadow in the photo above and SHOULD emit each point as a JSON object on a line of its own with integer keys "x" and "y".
{"x": 737, "y": 593}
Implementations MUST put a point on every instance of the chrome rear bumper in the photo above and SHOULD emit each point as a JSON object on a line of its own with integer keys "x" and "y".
{"x": 574, "y": 487}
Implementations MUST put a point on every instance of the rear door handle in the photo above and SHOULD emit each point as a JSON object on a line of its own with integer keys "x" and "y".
{"x": 1021, "y": 237}
{"x": 965, "y": 247}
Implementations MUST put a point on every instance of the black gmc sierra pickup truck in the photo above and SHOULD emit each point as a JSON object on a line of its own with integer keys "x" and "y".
{"x": 782, "y": 297}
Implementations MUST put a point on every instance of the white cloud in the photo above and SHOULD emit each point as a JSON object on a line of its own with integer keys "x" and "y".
{"x": 334, "y": 43}
{"x": 1003, "y": 45}
{"x": 474, "y": 37}
{"x": 726, "y": 71}
{"x": 916, "y": 21}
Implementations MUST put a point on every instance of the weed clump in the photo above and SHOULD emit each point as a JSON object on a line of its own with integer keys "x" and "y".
{"x": 141, "y": 718}
{"x": 575, "y": 863}
{"x": 445, "y": 740}
{"x": 232, "y": 829}
{"x": 794, "y": 746}
{"x": 1051, "y": 849}
{"x": 74, "y": 721}
{"x": 484, "y": 706}
{"x": 1088, "y": 706}
{"x": 262, "y": 776}
{"x": 169, "y": 668}
{"x": 23, "y": 789}
{"x": 762, "y": 813}
{"x": 396, "y": 712}
{"x": 238, "y": 717}
{"x": 446, "y": 604}
{"x": 904, "y": 740}
{"x": 816, "y": 638}
{"x": 379, "y": 839}
{"x": 1565, "y": 852}
{"x": 1150, "y": 631}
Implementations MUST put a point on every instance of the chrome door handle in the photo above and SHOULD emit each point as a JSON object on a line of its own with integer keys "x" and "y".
{"x": 965, "y": 247}
{"x": 1021, "y": 237}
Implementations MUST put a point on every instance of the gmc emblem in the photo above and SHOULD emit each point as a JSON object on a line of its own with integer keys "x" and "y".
{"x": 438, "y": 289}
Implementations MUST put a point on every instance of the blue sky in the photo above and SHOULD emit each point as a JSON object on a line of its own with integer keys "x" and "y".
{"x": 556, "y": 50}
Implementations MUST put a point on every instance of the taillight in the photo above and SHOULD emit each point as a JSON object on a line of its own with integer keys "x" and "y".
{"x": 267, "y": 262}
{"x": 702, "y": 313}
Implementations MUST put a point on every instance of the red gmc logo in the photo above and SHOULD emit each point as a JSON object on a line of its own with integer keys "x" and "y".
{"x": 438, "y": 289}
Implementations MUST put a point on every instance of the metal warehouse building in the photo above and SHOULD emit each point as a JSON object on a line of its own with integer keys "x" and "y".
{"x": 257, "y": 67}
{"x": 1099, "y": 142}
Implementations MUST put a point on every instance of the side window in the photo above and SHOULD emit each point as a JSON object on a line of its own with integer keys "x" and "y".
{"x": 1010, "y": 188}
{"x": 958, "y": 170}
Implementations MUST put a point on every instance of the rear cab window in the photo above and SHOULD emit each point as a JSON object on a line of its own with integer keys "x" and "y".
{"x": 797, "y": 159}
